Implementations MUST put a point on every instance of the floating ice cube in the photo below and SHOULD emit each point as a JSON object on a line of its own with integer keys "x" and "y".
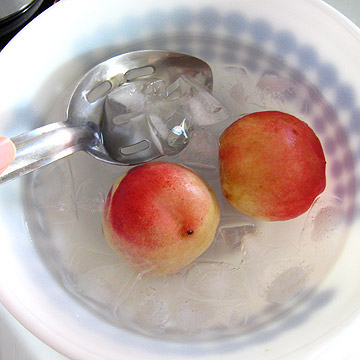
{"x": 202, "y": 150}
{"x": 287, "y": 285}
{"x": 187, "y": 107}
{"x": 149, "y": 302}
{"x": 276, "y": 85}
{"x": 99, "y": 277}
{"x": 172, "y": 112}
{"x": 148, "y": 310}
{"x": 52, "y": 192}
{"x": 246, "y": 253}
{"x": 84, "y": 260}
{"x": 233, "y": 89}
{"x": 129, "y": 100}
{"x": 216, "y": 281}
{"x": 282, "y": 280}
{"x": 205, "y": 110}
{"x": 254, "y": 249}
{"x": 179, "y": 131}
{"x": 329, "y": 218}
{"x": 234, "y": 236}
{"x": 169, "y": 132}
{"x": 159, "y": 128}
{"x": 155, "y": 90}
{"x": 202, "y": 107}
{"x": 321, "y": 238}
{"x": 324, "y": 220}
{"x": 125, "y": 99}
{"x": 276, "y": 91}
{"x": 90, "y": 197}
{"x": 230, "y": 249}
{"x": 102, "y": 284}
{"x": 194, "y": 315}
{"x": 238, "y": 315}
{"x": 216, "y": 297}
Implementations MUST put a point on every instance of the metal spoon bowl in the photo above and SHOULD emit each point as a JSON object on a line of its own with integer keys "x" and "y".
{"x": 82, "y": 131}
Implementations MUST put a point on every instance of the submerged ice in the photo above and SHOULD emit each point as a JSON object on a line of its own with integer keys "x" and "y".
{"x": 252, "y": 268}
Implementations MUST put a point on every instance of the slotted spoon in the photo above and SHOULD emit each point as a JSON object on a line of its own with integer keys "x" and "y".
{"x": 81, "y": 131}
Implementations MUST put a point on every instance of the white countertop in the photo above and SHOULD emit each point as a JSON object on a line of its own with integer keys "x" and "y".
{"x": 16, "y": 343}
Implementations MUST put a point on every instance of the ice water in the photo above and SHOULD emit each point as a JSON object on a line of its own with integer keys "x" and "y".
{"x": 253, "y": 272}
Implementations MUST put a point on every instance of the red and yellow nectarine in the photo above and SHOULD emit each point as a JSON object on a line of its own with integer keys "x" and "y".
{"x": 160, "y": 216}
{"x": 272, "y": 165}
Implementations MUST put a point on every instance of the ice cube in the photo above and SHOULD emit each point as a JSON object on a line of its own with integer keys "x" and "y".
{"x": 52, "y": 192}
{"x": 254, "y": 248}
{"x": 276, "y": 91}
{"x": 148, "y": 310}
{"x": 179, "y": 131}
{"x": 237, "y": 243}
{"x": 233, "y": 236}
{"x": 322, "y": 235}
{"x": 202, "y": 108}
{"x": 169, "y": 128}
{"x": 205, "y": 110}
{"x": 202, "y": 150}
{"x": 328, "y": 220}
{"x": 172, "y": 112}
{"x": 324, "y": 221}
{"x": 103, "y": 284}
{"x": 238, "y": 316}
{"x": 275, "y": 84}
{"x": 216, "y": 297}
{"x": 220, "y": 251}
{"x": 87, "y": 232}
{"x": 216, "y": 281}
{"x": 193, "y": 316}
{"x": 234, "y": 88}
{"x": 155, "y": 90}
{"x": 282, "y": 280}
{"x": 158, "y": 126}
{"x": 95, "y": 276}
{"x": 149, "y": 302}
{"x": 125, "y": 99}
{"x": 129, "y": 100}
{"x": 84, "y": 260}
{"x": 90, "y": 197}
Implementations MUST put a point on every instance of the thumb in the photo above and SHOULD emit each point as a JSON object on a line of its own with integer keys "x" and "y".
{"x": 7, "y": 153}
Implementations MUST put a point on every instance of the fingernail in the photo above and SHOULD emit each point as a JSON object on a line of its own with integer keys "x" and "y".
{"x": 7, "y": 152}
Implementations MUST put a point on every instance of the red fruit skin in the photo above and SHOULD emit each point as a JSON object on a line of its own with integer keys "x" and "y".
{"x": 272, "y": 165}
{"x": 160, "y": 216}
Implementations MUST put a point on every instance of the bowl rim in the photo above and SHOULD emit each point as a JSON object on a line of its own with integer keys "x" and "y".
{"x": 13, "y": 303}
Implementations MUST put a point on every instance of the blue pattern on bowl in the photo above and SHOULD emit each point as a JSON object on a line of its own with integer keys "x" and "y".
{"x": 236, "y": 39}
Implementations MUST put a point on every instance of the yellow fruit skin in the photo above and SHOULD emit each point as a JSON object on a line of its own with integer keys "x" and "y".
{"x": 272, "y": 165}
{"x": 159, "y": 217}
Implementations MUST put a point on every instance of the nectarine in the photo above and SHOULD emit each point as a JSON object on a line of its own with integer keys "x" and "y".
{"x": 159, "y": 217}
{"x": 272, "y": 165}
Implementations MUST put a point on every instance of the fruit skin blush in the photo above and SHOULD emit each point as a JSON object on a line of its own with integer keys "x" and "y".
{"x": 272, "y": 165}
{"x": 159, "y": 217}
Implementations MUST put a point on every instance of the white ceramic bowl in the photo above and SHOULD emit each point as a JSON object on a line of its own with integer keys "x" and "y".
{"x": 307, "y": 40}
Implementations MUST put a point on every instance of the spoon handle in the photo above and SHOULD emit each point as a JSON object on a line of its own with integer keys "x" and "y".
{"x": 46, "y": 144}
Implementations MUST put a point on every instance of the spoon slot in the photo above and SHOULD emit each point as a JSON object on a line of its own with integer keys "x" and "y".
{"x": 134, "y": 148}
{"x": 139, "y": 72}
{"x": 99, "y": 90}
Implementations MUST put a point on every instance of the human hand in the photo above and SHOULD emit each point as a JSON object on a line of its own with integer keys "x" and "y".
{"x": 7, "y": 153}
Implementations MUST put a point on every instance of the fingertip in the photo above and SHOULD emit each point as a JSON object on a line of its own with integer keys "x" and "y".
{"x": 7, "y": 153}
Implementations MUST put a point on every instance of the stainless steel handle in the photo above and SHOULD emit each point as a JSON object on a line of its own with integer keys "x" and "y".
{"x": 46, "y": 144}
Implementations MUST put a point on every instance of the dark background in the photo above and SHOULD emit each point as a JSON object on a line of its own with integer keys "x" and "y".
{"x": 5, "y": 38}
